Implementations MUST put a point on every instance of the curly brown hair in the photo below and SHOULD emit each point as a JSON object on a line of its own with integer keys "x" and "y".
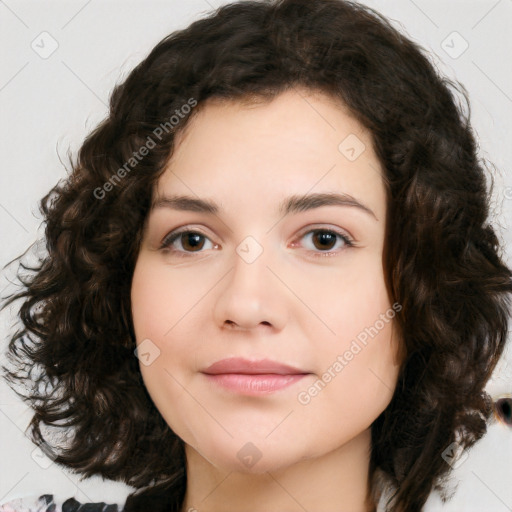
{"x": 73, "y": 360}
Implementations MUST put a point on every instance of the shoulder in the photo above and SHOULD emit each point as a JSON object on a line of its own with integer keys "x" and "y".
{"x": 46, "y": 503}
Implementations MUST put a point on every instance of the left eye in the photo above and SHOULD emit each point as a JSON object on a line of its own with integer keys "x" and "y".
{"x": 323, "y": 240}
{"x": 193, "y": 241}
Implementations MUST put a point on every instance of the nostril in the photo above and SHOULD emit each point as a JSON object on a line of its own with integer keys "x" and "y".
{"x": 503, "y": 410}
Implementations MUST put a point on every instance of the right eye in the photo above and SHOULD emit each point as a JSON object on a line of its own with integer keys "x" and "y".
{"x": 191, "y": 242}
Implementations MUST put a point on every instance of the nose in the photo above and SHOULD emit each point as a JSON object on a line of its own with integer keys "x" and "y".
{"x": 251, "y": 296}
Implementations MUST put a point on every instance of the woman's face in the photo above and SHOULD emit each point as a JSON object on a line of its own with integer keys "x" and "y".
{"x": 270, "y": 274}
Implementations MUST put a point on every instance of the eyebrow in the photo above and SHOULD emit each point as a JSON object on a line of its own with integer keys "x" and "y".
{"x": 292, "y": 204}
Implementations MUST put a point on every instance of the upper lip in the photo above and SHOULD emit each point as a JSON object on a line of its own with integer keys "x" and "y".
{"x": 246, "y": 366}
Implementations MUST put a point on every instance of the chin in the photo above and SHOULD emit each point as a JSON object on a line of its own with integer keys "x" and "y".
{"x": 248, "y": 457}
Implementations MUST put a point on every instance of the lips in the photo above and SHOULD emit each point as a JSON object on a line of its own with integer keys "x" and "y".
{"x": 243, "y": 366}
{"x": 253, "y": 378}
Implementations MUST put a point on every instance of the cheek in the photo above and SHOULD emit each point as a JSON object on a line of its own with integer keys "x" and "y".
{"x": 356, "y": 386}
{"x": 348, "y": 300}
{"x": 163, "y": 313}
{"x": 155, "y": 313}
{"x": 371, "y": 365}
{"x": 144, "y": 299}
{"x": 358, "y": 367}
{"x": 159, "y": 301}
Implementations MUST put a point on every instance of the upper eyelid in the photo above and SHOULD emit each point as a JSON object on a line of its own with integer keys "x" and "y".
{"x": 184, "y": 229}
{"x": 307, "y": 229}
{"x": 323, "y": 227}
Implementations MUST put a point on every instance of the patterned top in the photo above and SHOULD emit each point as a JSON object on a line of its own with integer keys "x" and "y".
{"x": 45, "y": 503}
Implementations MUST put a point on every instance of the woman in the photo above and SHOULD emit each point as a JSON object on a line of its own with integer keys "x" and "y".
{"x": 333, "y": 335}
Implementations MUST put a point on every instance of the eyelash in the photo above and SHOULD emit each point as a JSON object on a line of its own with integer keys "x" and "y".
{"x": 173, "y": 236}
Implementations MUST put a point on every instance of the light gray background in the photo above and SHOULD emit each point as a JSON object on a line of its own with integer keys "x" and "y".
{"x": 50, "y": 102}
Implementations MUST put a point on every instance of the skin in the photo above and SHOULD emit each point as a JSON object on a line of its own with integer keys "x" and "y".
{"x": 292, "y": 304}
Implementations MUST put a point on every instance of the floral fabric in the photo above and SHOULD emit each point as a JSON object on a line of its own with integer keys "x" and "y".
{"x": 46, "y": 503}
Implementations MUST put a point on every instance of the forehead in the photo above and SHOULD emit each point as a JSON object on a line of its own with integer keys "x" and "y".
{"x": 250, "y": 154}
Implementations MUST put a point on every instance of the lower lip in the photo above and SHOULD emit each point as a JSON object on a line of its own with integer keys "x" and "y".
{"x": 254, "y": 384}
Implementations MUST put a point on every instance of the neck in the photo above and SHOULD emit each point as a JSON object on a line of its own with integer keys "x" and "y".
{"x": 334, "y": 482}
